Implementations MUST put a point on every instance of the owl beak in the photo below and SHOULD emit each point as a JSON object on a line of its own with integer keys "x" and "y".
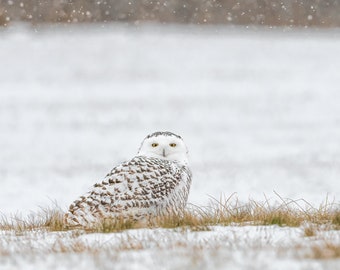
{"x": 163, "y": 152}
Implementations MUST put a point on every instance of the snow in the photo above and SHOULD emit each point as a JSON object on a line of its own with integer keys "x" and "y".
{"x": 258, "y": 109}
{"x": 232, "y": 247}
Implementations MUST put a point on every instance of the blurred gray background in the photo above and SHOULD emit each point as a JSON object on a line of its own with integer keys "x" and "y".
{"x": 322, "y": 13}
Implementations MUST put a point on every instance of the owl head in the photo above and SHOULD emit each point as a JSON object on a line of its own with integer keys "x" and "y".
{"x": 164, "y": 145}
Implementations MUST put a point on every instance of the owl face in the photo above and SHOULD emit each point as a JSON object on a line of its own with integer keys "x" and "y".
{"x": 164, "y": 145}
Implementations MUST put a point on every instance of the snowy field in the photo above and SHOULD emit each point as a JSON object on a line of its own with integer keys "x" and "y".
{"x": 259, "y": 111}
{"x": 248, "y": 247}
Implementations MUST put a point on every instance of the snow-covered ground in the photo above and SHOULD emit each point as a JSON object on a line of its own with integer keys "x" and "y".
{"x": 259, "y": 111}
{"x": 231, "y": 247}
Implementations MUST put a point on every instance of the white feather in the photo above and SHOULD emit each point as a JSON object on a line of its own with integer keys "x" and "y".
{"x": 155, "y": 182}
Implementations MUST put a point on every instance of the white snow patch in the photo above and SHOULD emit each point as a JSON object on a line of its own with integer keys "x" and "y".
{"x": 238, "y": 247}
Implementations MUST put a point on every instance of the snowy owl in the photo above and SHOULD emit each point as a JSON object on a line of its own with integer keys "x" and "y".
{"x": 155, "y": 182}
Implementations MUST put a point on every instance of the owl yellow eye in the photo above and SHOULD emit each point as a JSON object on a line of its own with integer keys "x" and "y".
{"x": 154, "y": 144}
{"x": 173, "y": 144}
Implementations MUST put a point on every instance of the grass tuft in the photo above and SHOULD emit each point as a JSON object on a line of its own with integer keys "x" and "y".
{"x": 325, "y": 251}
{"x": 75, "y": 246}
{"x": 50, "y": 219}
{"x": 310, "y": 230}
{"x": 188, "y": 219}
{"x": 53, "y": 220}
{"x": 108, "y": 225}
{"x": 336, "y": 219}
{"x": 222, "y": 212}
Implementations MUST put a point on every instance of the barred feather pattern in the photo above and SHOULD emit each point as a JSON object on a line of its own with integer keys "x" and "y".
{"x": 139, "y": 188}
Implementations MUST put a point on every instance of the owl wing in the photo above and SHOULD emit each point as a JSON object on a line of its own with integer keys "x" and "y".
{"x": 134, "y": 188}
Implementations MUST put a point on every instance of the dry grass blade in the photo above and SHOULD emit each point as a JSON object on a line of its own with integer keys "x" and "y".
{"x": 325, "y": 251}
{"x": 223, "y": 212}
{"x": 50, "y": 219}
{"x": 335, "y": 218}
{"x": 108, "y": 225}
